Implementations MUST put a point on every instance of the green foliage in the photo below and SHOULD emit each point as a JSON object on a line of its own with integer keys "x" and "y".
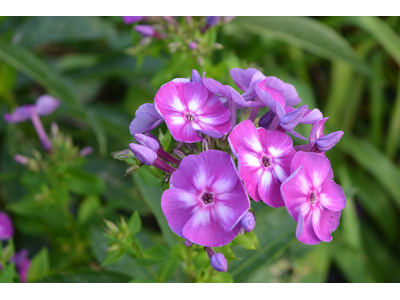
{"x": 40, "y": 266}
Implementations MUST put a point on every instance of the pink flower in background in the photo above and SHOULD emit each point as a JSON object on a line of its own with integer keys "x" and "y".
{"x": 206, "y": 200}
{"x": 312, "y": 198}
{"x": 44, "y": 105}
{"x": 189, "y": 108}
{"x": 264, "y": 158}
{"x": 6, "y": 227}
{"x": 130, "y": 20}
{"x": 22, "y": 264}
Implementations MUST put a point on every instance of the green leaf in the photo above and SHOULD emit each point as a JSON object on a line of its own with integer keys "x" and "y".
{"x": 154, "y": 255}
{"x": 83, "y": 183}
{"x": 305, "y": 33}
{"x": 134, "y": 223}
{"x": 7, "y": 274}
{"x": 86, "y": 276}
{"x": 113, "y": 257}
{"x": 248, "y": 241}
{"x": 227, "y": 252}
{"x": 148, "y": 177}
{"x": 201, "y": 261}
{"x": 38, "y": 31}
{"x": 166, "y": 270}
{"x": 393, "y": 136}
{"x": 40, "y": 266}
{"x": 372, "y": 160}
{"x": 388, "y": 38}
{"x": 152, "y": 197}
{"x": 27, "y": 63}
{"x": 88, "y": 208}
{"x": 222, "y": 277}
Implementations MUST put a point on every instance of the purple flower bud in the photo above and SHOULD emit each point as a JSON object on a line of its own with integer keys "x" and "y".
{"x": 212, "y": 20}
{"x": 147, "y": 141}
{"x": 130, "y": 20}
{"x": 146, "y": 30}
{"x": 188, "y": 243}
{"x": 327, "y": 142}
{"x": 248, "y": 222}
{"x": 22, "y": 264}
{"x": 219, "y": 262}
{"x": 22, "y": 160}
{"x": 290, "y": 120}
{"x": 145, "y": 155}
{"x": 86, "y": 151}
{"x": 6, "y": 227}
{"x": 193, "y": 45}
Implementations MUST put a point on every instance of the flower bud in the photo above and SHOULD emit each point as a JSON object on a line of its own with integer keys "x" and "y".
{"x": 123, "y": 154}
{"x": 219, "y": 262}
{"x": 145, "y": 155}
{"x": 188, "y": 243}
{"x": 131, "y": 169}
{"x": 147, "y": 141}
{"x": 290, "y": 120}
{"x": 6, "y": 227}
{"x": 248, "y": 222}
{"x": 193, "y": 45}
{"x": 327, "y": 142}
{"x": 146, "y": 30}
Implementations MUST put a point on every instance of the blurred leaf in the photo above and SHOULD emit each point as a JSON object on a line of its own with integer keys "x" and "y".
{"x": 152, "y": 197}
{"x": 227, "y": 252}
{"x": 89, "y": 207}
{"x": 222, "y": 277}
{"x": 148, "y": 177}
{"x": 38, "y": 31}
{"x": 166, "y": 270}
{"x": 154, "y": 255}
{"x": 86, "y": 276}
{"x": 392, "y": 140}
{"x": 26, "y": 62}
{"x": 350, "y": 262}
{"x": 40, "y": 266}
{"x": 306, "y": 33}
{"x": 134, "y": 223}
{"x": 248, "y": 241}
{"x": 389, "y": 39}
{"x": 201, "y": 261}
{"x": 113, "y": 257}
{"x": 143, "y": 280}
{"x": 83, "y": 183}
{"x": 374, "y": 162}
{"x": 7, "y": 274}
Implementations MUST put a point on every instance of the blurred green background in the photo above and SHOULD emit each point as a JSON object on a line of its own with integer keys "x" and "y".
{"x": 348, "y": 67}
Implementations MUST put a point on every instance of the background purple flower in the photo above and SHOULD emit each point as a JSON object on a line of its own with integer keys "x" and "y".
{"x": 130, "y": 20}
{"x": 22, "y": 264}
{"x": 312, "y": 198}
{"x": 206, "y": 199}
{"x": 6, "y": 227}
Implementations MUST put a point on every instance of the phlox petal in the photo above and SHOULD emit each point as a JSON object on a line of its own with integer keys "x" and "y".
{"x": 324, "y": 222}
{"x": 244, "y": 135}
{"x": 331, "y": 195}
{"x": 250, "y": 170}
{"x": 269, "y": 188}
{"x": 305, "y": 231}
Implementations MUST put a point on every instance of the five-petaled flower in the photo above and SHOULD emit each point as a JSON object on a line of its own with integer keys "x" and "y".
{"x": 206, "y": 200}
{"x": 189, "y": 108}
{"x": 312, "y": 198}
{"x": 264, "y": 158}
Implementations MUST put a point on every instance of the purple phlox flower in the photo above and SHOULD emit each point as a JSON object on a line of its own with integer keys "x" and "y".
{"x": 247, "y": 80}
{"x": 318, "y": 142}
{"x": 280, "y": 97}
{"x": 6, "y": 227}
{"x": 233, "y": 98}
{"x": 312, "y": 198}
{"x": 146, "y": 119}
{"x": 86, "y": 151}
{"x": 188, "y": 108}
{"x": 171, "y": 20}
{"x": 44, "y": 105}
{"x": 147, "y": 30}
{"x": 212, "y": 20}
{"x": 22, "y": 263}
{"x": 130, "y": 20}
{"x": 206, "y": 199}
{"x": 149, "y": 157}
{"x": 248, "y": 222}
{"x": 264, "y": 158}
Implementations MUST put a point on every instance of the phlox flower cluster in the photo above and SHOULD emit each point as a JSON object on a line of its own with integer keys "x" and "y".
{"x": 219, "y": 166}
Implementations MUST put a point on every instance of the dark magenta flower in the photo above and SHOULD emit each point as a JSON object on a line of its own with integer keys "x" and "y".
{"x": 130, "y": 20}
{"x": 22, "y": 264}
{"x": 206, "y": 199}
{"x": 6, "y": 227}
{"x": 264, "y": 158}
{"x": 312, "y": 198}
{"x": 189, "y": 108}
{"x": 44, "y": 105}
